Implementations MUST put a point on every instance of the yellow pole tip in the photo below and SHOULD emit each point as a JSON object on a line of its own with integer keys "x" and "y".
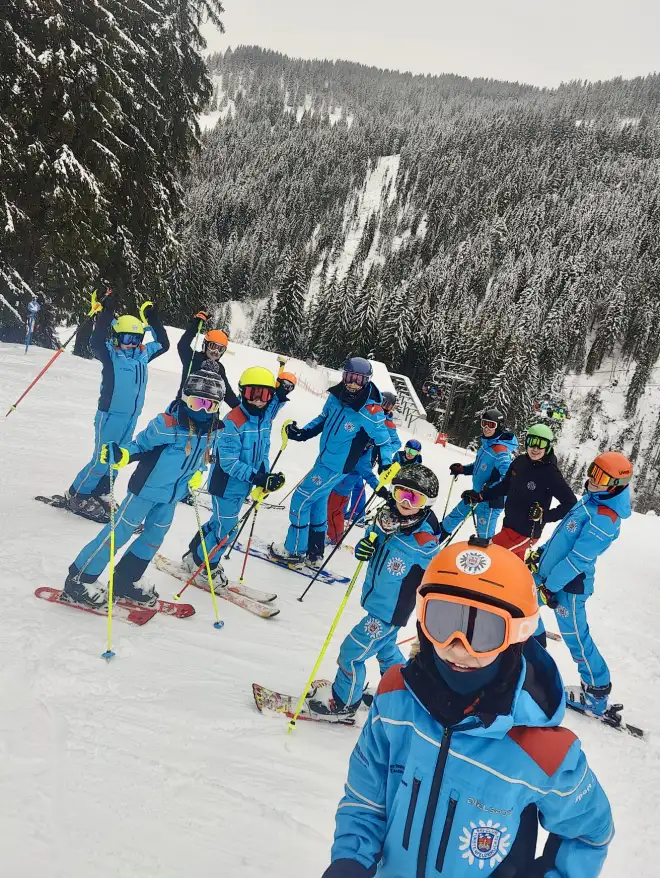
{"x": 177, "y": 597}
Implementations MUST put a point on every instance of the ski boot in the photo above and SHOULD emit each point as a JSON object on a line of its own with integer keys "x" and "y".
{"x": 87, "y": 594}
{"x": 589, "y": 699}
{"x": 218, "y": 574}
{"x": 88, "y": 507}
{"x": 142, "y": 593}
{"x": 314, "y": 562}
{"x": 322, "y": 701}
{"x": 278, "y": 552}
{"x": 107, "y": 504}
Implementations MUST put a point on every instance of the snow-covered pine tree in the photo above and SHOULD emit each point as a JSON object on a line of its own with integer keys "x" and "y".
{"x": 289, "y": 309}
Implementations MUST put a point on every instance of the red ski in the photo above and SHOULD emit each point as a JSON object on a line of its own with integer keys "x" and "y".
{"x": 167, "y": 608}
{"x": 134, "y": 615}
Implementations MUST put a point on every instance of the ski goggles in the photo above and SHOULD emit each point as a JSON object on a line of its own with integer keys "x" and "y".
{"x": 389, "y": 407}
{"x": 254, "y": 393}
{"x": 355, "y": 378}
{"x": 287, "y": 386}
{"x": 214, "y": 346}
{"x": 537, "y": 442}
{"x": 413, "y": 498}
{"x": 490, "y": 425}
{"x": 411, "y": 452}
{"x": 604, "y": 480}
{"x": 132, "y": 338}
{"x": 201, "y": 403}
{"x": 483, "y": 629}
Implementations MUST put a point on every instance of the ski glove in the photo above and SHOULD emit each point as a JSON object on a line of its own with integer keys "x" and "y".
{"x": 294, "y": 432}
{"x": 120, "y": 456}
{"x": 195, "y": 481}
{"x": 364, "y": 551}
{"x": 536, "y": 512}
{"x": 547, "y": 597}
{"x": 456, "y": 469}
{"x": 383, "y": 493}
{"x": 268, "y": 481}
{"x": 532, "y": 560}
{"x": 202, "y": 315}
{"x": 471, "y": 497}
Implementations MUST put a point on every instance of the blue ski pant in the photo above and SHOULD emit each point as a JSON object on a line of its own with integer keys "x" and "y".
{"x": 309, "y": 508}
{"x": 487, "y": 518}
{"x": 94, "y": 477}
{"x": 571, "y": 615}
{"x": 157, "y": 517}
{"x": 226, "y": 511}
{"x": 370, "y": 637}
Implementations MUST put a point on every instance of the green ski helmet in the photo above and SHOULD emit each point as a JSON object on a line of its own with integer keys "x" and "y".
{"x": 539, "y": 436}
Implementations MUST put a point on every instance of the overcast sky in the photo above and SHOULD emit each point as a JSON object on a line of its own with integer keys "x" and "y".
{"x": 543, "y": 42}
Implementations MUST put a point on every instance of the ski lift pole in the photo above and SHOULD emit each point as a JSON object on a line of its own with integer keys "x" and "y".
{"x": 96, "y": 306}
{"x": 385, "y": 479}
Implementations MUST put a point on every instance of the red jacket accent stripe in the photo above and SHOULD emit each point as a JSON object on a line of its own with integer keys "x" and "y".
{"x": 547, "y": 747}
{"x": 238, "y": 416}
{"x": 374, "y": 408}
{"x": 390, "y": 423}
{"x": 391, "y": 681}
{"x": 423, "y": 538}
{"x": 170, "y": 420}
{"x": 609, "y": 513}
{"x": 498, "y": 448}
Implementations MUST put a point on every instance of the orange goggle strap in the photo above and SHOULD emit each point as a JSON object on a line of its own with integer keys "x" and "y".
{"x": 515, "y": 630}
{"x": 604, "y": 480}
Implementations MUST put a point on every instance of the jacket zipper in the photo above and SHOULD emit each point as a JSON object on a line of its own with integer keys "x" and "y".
{"x": 446, "y": 832}
{"x": 434, "y": 795}
{"x": 411, "y": 812}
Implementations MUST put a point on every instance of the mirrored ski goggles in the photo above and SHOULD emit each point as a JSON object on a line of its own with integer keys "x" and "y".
{"x": 132, "y": 338}
{"x": 411, "y": 452}
{"x": 483, "y": 629}
{"x": 537, "y": 442}
{"x": 406, "y": 495}
{"x": 214, "y": 346}
{"x": 490, "y": 425}
{"x": 258, "y": 394}
{"x": 200, "y": 403}
{"x": 604, "y": 480}
{"x": 355, "y": 378}
{"x": 389, "y": 407}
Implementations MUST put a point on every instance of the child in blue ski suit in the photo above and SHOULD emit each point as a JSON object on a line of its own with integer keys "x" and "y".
{"x": 459, "y": 755}
{"x": 494, "y": 456}
{"x": 398, "y": 557}
{"x": 564, "y": 569}
{"x": 241, "y": 464}
{"x": 170, "y": 450}
{"x": 124, "y": 361}
{"x": 353, "y": 486}
{"x": 351, "y": 416}
{"x": 410, "y": 453}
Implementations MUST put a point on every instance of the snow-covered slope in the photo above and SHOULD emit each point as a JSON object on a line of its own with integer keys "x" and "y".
{"x": 158, "y": 763}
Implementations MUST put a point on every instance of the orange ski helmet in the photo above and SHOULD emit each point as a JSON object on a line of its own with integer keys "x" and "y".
{"x": 287, "y": 376}
{"x": 610, "y": 470}
{"x": 480, "y": 594}
{"x": 217, "y": 336}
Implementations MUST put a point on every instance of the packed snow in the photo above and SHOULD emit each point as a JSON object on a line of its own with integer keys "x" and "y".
{"x": 158, "y": 763}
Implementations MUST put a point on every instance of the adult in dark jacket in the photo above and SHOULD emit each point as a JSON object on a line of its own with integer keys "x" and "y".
{"x": 213, "y": 348}
{"x": 531, "y": 483}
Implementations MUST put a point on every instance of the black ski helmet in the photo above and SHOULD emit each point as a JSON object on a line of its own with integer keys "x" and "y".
{"x": 389, "y": 400}
{"x": 420, "y": 478}
{"x": 493, "y": 415}
{"x": 206, "y": 384}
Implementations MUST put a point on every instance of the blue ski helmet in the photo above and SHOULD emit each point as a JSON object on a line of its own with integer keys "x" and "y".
{"x": 358, "y": 371}
{"x": 414, "y": 443}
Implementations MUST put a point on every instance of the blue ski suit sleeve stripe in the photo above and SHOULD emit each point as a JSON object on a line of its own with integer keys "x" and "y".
{"x": 580, "y": 814}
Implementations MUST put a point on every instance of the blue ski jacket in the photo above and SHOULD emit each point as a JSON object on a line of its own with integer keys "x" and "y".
{"x": 395, "y": 572}
{"x": 346, "y": 425}
{"x": 242, "y": 450}
{"x": 491, "y": 463}
{"x": 424, "y": 800}
{"x": 169, "y": 450}
{"x": 395, "y": 441}
{"x": 568, "y": 559}
{"x": 124, "y": 373}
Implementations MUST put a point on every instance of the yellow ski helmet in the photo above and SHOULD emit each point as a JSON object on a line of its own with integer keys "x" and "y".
{"x": 257, "y": 376}
{"x": 128, "y": 323}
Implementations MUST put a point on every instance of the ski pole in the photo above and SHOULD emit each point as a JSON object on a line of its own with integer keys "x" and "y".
{"x": 474, "y": 517}
{"x": 218, "y": 621}
{"x": 285, "y": 441}
{"x": 108, "y": 654}
{"x": 385, "y": 479}
{"x": 451, "y": 488}
{"x": 241, "y": 521}
{"x": 292, "y": 722}
{"x": 200, "y": 326}
{"x": 262, "y": 495}
{"x": 54, "y": 357}
{"x": 357, "y": 503}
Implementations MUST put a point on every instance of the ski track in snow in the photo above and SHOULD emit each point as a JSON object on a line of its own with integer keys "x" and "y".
{"x": 158, "y": 763}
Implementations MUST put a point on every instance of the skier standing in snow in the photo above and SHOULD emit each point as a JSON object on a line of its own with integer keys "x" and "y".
{"x": 531, "y": 483}
{"x": 463, "y": 744}
{"x": 172, "y": 449}
{"x": 351, "y": 485}
{"x": 397, "y": 560}
{"x": 351, "y": 416}
{"x": 491, "y": 463}
{"x": 389, "y": 404}
{"x": 564, "y": 570}
{"x": 124, "y": 360}
{"x": 410, "y": 453}
{"x": 213, "y": 348}
{"x": 241, "y": 464}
